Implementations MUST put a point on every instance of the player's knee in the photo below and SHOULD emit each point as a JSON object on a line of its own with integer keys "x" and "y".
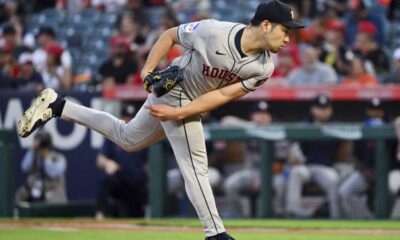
{"x": 343, "y": 192}
{"x": 230, "y": 185}
{"x": 298, "y": 172}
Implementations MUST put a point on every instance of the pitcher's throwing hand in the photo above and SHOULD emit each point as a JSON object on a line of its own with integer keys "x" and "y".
{"x": 164, "y": 112}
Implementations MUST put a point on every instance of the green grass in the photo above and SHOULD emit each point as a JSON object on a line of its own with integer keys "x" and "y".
{"x": 245, "y": 223}
{"x": 244, "y": 233}
{"x": 278, "y": 223}
{"x": 39, "y": 234}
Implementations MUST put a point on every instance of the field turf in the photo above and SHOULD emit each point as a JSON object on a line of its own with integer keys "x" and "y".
{"x": 189, "y": 229}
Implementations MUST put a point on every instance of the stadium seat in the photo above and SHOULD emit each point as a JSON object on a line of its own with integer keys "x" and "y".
{"x": 89, "y": 15}
{"x": 73, "y": 37}
{"x": 155, "y": 14}
{"x": 99, "y": 33}
{"x": 107, "y": 20}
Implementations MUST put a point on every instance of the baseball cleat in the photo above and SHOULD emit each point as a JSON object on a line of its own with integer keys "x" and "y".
{"x": 46, "y": 106}
{"x": 221, "y": 236}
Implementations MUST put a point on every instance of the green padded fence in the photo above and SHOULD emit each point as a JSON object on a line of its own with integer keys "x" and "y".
{"x": 267, "y": 134}
{"x": 7, "y": 173}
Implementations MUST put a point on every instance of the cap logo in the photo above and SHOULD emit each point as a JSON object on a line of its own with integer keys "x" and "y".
{"x": 376, "y": 101}
{"x": 291, "y": 13}
{"x": 190, "y": 27}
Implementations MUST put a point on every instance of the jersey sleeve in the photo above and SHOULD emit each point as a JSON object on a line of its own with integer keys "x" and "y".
{"x": 251, "y": 84}
{"x": 191, "y": 33}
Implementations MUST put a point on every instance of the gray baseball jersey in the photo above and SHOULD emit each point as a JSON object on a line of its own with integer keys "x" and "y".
{"x": 213, "y": 61}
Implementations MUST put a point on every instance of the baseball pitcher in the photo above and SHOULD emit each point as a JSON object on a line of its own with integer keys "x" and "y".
{"x": 222, "y": 62}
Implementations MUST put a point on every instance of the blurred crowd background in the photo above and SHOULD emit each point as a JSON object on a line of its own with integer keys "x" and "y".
{"x": 94, "y": 44}
{"x": 89, "y": 46}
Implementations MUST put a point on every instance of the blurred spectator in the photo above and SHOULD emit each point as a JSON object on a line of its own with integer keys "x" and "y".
{"x": 13, "y": 38}
{"x": 40, "y": 5}
{"x": 314, "y": 33}
{"x": 393, "y": 13}
{"x": 54, "y": 75}
{"x": 154, "y": 3}
{"x": 6, "y": 66}
{"x": 120, "y": 67}
{"x": 354, "y": 192}
{"x": 358, "y": 75}
{"x": 28, "y": 79}
{"x": 129, "y": 29}
{"x": 73, "y": 5}
{"x": 109, "y": 5}
{"x": 341, "y": 6}
{"x": 201, "y": 7}
{"x": 247, "y": 180}
{"x": 46, "y": 173}
{"x": 320, "y": 156}
{"x": 376, "y": 59}
{"x": 286, "y": 60}
{"x": 299, "y": 7}
{"x": 334, "y": 50}
{"x": 394, "y": 76}
{"x": 9, "y": 11}
{"x": 141, "y": 14}
{"x": 46, "y": 38}
{"x": 313, "y": 8}
{"x": 312, "y": 72}
{"x": 359, "y": 12}
{"x": 168, "y": 20}
{"x": 123, "y": 189}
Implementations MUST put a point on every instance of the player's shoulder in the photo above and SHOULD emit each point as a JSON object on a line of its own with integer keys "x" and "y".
{"x": 209, "y": 25}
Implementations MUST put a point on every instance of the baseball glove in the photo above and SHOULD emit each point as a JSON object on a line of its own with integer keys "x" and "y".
{"x": 163, "y": 81}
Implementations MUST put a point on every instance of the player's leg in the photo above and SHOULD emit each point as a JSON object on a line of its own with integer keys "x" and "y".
{"x": 142, "y": 131}
{"x": 279, "y": 187}
{"x": 353, "y": 203}
{"x": 299, "y": 174}
{"x": 328, "y": 179}
{"x": 188, "y": 143}
{"x": 242, "y": 181}
{"x": 139, "y": 133}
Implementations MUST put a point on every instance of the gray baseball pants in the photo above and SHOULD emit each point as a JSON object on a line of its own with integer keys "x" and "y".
{"x": 326, "y": 177}
{"x": 185, "y": 136}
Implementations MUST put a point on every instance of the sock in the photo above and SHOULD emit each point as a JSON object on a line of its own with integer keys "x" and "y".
{"x": 57, "y": 106}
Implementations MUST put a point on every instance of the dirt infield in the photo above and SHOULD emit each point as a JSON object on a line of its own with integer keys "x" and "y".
{"x": 125, "y": 226}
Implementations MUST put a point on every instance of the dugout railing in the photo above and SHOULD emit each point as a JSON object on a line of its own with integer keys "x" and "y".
{"x": 265, "y": 136}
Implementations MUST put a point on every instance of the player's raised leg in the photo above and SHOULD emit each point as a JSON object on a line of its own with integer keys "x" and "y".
{"x": 139, "y": 133}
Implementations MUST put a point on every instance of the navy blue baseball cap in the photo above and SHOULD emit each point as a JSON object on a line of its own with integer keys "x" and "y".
{"x": 322, "y": 101}
{"x": 128, "y": 110}
{"x": 276, "y": 12}
{"x": 375, "y": 103}
{"x": 261, "y": 106}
